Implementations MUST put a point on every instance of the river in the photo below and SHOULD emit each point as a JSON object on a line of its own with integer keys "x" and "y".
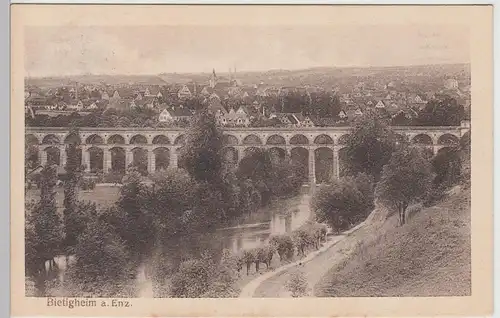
{"x": 281, "y": 216}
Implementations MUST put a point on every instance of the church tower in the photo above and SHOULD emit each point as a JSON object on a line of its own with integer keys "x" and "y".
{"x": 213, "y": 79}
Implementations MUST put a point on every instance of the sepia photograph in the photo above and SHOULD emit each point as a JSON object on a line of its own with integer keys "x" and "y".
{"x": 246, "y": 161}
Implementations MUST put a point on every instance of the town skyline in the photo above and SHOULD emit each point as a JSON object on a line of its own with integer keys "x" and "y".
{"x": 55, "y": 51}
{"x": 225, "y": 72}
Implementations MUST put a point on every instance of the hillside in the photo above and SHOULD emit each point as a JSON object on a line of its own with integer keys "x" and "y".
{"x": 429, "y": 256}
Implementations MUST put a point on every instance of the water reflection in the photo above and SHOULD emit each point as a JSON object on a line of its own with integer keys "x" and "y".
{"x": 283, "y": 217}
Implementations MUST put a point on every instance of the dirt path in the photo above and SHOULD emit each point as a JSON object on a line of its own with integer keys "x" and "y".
{"x": 314, "y": 266}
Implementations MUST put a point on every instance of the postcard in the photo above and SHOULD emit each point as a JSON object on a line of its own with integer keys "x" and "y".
{"x": 251, "y": 160}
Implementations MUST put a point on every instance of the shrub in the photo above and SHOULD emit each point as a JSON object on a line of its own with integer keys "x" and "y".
{"x": 192, "y": 279}
{"x": 112, "y": 177}
{"x": 204, "y": 278}
{"x": 340, "y": 204}
{"x": 302, "y": 239}
{"x": 87, "y": 184}
{"x": 248, "y": 258}
{"x": 297, "y": 284}
{"x": 283, "y": 244}
{"x": 264, "y": 254}
{"x": 103, "y": 266}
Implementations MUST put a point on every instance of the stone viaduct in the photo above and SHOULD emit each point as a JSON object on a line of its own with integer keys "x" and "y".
{"x": 160, "y": 147}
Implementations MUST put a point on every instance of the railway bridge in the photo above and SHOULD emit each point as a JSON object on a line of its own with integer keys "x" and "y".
{"x": 315, "y": 146}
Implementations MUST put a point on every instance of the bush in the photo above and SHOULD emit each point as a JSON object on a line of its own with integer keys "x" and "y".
{"x": 264, "y": 254}
{"x": 297, "y": 284}
{"x": 203, "y": 278}
{"x": 112, "y": 177}
{"x": 87, "y": 184}
{"x": 283, "y": 244}
{"x": 340, "y": 204}
{"x": 436, "y": 194}
{"x": 302, "y": 240}
{"x": 247, "y": 258}
{"x": 103, "y": 267}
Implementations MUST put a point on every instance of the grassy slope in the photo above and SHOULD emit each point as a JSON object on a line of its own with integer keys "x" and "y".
{"x": 429, "y": 256}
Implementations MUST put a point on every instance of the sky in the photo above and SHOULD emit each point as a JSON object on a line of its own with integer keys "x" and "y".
{"x": 59, "y": 51}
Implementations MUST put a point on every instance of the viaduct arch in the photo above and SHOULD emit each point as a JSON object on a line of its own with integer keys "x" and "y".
{"x": 160, "y": 147}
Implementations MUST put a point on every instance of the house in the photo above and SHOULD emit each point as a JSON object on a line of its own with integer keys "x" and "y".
{"x": 153, "y": 91}
{"x": 261, "y": 91}
{"x": 451, "y": 83}
{"x": 234, "y": 91}
{"x": 358, "y": 112}
{"x": 147, "y": 102}
{"x": 215, "y": 107}
{"x": 380, "y": 104}
{"x": 236, "y": 118}
{"x": 415, "y": 99}
{"x": 75, "y": 106}
{"x": 303, "y": 121}
{"x": 174, "y": 114}
{"x": 121, "y": 104}
{"x": 285, "y": 119}
{"x": 342, "y": 114}
{"x": 79, "y": 105}
{"x": 294, "y": 119}
{"x": 102, "y": 104}
{"x": 206, "y": 91}
{"x": 184, "y": 92}
{"x": 93, "y": 106}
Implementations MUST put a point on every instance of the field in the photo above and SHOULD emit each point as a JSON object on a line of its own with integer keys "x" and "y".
{"x": 428, "y": 256}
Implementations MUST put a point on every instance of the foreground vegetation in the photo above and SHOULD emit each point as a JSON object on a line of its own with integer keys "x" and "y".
{"x": 169, "y": 221}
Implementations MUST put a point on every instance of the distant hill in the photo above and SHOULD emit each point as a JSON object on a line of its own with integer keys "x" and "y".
{"x": 95, "y": 80}
{"x": 325, "y": 76}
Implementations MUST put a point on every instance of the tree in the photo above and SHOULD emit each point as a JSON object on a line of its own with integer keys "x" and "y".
{"x": 443, "y": 110}
{"x": 43, "y": 228}
{"x": 294, "y": 102}
{"x": 406, "y": 179}
{"x": 72, "y": 225}
{"x": 324, "y": 105}
{"x": 103, "y": 266}
{"x": 202, "y": 153}
{"x": 172, "y": 196}
{"x": 283, "y": 244}
{"x": 340, "y": 204}
{"x": 364, "y": 183}
{"x": 369, "y": 146}
{"x": 447, "y": 166}
{"x": 136, "y": 229}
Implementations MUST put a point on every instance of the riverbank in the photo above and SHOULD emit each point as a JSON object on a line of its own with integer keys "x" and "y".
{"x": 313, "y": 265}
